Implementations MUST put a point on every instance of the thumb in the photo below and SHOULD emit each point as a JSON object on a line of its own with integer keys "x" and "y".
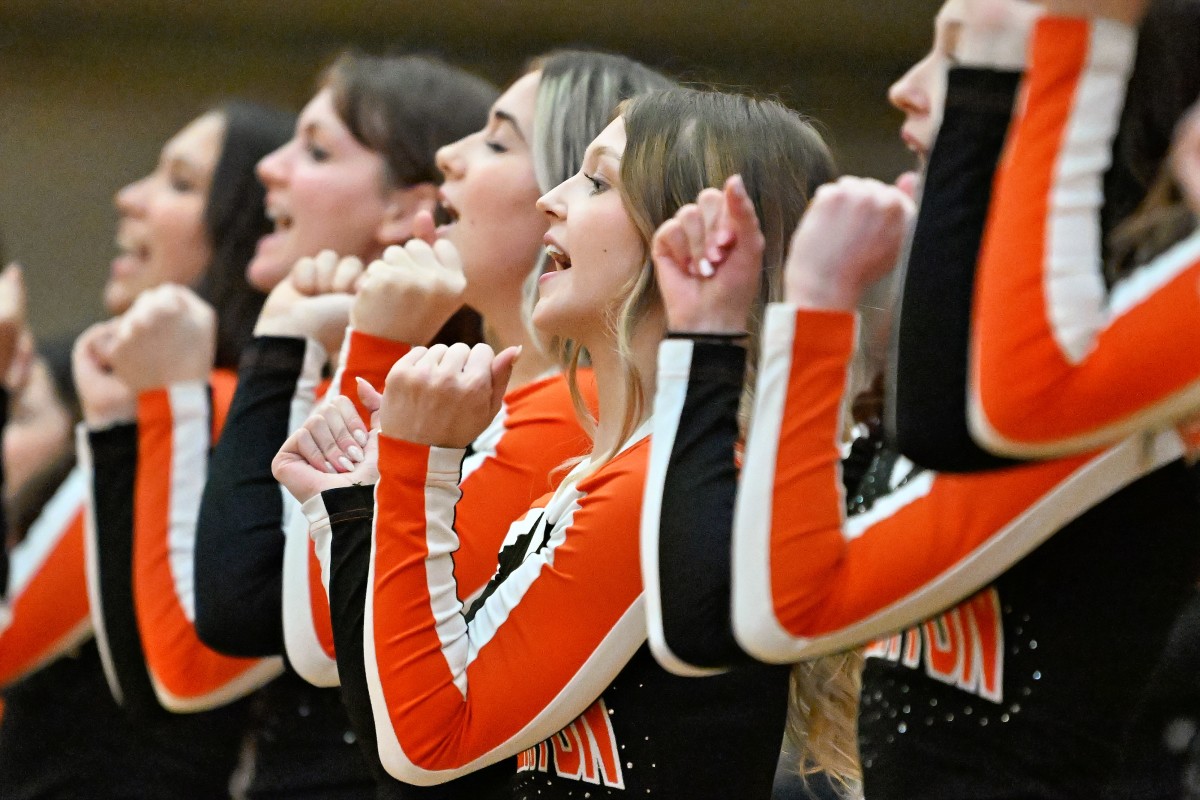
{"x": 424, "y": 228}
{"x": 368, "y": 395}
{"x": 502, "y": 367}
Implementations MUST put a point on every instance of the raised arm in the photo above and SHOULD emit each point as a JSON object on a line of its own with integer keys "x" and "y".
{"x": 147, "y": 480}
{"x": 807, "y": 581}
{"x": 449, "y": 689}
{"x": 240, "y": 539}
{"x": 1059, "y": 363}
{"x": 928, "y": 379}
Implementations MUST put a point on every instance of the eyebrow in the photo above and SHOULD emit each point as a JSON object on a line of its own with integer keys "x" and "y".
{"x": 605, "y": 150}
{"x": 504, "y": 116}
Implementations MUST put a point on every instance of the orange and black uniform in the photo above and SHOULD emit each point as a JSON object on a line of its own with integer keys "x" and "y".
{"x": 1059, "y": 362}
{"x": 63, "y": 734}
{"x": 1008, "y": 588}
{"x": 305, "y": 747}
{"x": 549, "y": 665}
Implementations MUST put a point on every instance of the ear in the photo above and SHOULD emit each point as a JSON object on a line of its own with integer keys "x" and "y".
{"x": 402, "y": 206}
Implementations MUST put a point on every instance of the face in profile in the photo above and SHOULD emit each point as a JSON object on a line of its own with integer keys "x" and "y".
{"x": 596, "y": 248}
{"x": 325, "y": 191}
{"x": 921, "y": 92}
{"x": 489, "y": 196}
{"x": 161, "y": 233}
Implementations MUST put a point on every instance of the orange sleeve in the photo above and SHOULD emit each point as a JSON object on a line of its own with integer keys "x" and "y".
{"x": 47, "y": 586}
{"x": 1059, "y": 364}
{"x": 452, "y": 694}
{"x": 808, "y": 582}
{"x": 174, "y": 437}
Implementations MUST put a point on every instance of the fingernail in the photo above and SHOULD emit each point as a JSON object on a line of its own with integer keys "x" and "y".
{"x": 356, "y": 454}
{"x": 360, "y": 437}
{"x": 346, "y": 464}
{"x": 329, "y": 468}
{"x": 706, "y": 268}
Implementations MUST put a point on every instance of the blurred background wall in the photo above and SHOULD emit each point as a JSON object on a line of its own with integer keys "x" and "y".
{"x": 90, "y": 89}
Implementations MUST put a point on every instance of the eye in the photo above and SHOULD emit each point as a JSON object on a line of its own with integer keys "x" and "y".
{"x": 495, "y": 146}
{"x": 180, "y": 182}
{"x": 598, "y": 185}
{"x": 315, "y": 151}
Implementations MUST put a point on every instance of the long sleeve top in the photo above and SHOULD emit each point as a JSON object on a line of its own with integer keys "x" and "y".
{"x": 776, "y": 558}
{"x": 549, "y": 664}
{"x": 1060, "y": 364}
{"x": 147, "y": 481}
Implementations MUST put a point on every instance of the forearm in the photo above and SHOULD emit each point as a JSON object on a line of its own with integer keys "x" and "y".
{"x": 239, "y": 537}
{"x": 687, "y": 513}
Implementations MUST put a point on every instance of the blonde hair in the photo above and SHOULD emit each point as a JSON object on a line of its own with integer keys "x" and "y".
{"x": 577, "y": 97}
{"x": 679, "y": 142}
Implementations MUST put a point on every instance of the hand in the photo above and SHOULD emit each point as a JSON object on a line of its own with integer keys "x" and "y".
{"x": 1129, "y": 12}
{"x": 445, "y": 396}
{"x": 104, "y": 399}
{"x": 708, "y": 259}
{"x": 410, "y": 293}
{"x": 850, "y": 237}
{"x": 1185, "y": 158}
{"x": 314, "y": 301}
{"x": 995, "y": 33}
{"x": 168, "y": 335}
{"x": 12, "y": 315}
{"x": 333, "y": 449}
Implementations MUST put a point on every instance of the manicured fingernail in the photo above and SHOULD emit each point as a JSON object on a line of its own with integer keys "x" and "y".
{"x": 355, "y": 453}
{"x": 706, "y": 268}
{"x": 345, "y": 462}
{"x": 360, "y": 437}
{"x": 329, "y": 468}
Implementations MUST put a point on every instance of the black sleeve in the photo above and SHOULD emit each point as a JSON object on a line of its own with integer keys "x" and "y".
{"x": 114, "y": 472}
{"x": 927, "y": 412}
{"x": 351, "y": 512}
{"x": 696, "y": 519}
{"x": 239, "y": 535}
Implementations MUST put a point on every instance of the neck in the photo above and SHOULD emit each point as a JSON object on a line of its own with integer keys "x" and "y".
{"x": 613, "y": 394}
{"x": 508, "y": 329}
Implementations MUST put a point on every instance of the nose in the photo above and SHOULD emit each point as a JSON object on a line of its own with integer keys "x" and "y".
{"x": 909, "y": 94}
{"x": 449, "y": 160}
{"x": 129, "y": 199}
{"x": 551, "y": 204}
{"x": 272, "y": 168}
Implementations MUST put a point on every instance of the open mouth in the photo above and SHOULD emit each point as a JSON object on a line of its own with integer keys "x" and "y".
{"x": 444, "y": 213}
{"x": 283, "y": 221}
{"x": 132, "y": 249}
{"x": 561, "y": 260}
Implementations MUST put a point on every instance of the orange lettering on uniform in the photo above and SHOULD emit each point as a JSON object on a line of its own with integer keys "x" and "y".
{"x": 569, "y": 753}
{"x": 587, "y": 749}
{"x": 943, "y": 646}
{"x": 912, "y": 648}
{"x": 983, "y": 666}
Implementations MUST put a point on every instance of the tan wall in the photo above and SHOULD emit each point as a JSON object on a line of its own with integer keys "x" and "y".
{"x": 90, "y": 89}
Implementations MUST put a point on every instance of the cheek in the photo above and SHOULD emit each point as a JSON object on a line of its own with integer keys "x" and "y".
{"x": 185, "y": 251}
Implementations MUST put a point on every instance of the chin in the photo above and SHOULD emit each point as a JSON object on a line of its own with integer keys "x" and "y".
{"x": 117, "y": 298}
{"x": 264, "y": 275}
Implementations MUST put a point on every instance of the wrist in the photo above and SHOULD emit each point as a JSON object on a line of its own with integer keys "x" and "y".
{"x": 820, "y": 293}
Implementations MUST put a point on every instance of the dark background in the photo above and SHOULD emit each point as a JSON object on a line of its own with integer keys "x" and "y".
{"x": 90, "y": 89}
